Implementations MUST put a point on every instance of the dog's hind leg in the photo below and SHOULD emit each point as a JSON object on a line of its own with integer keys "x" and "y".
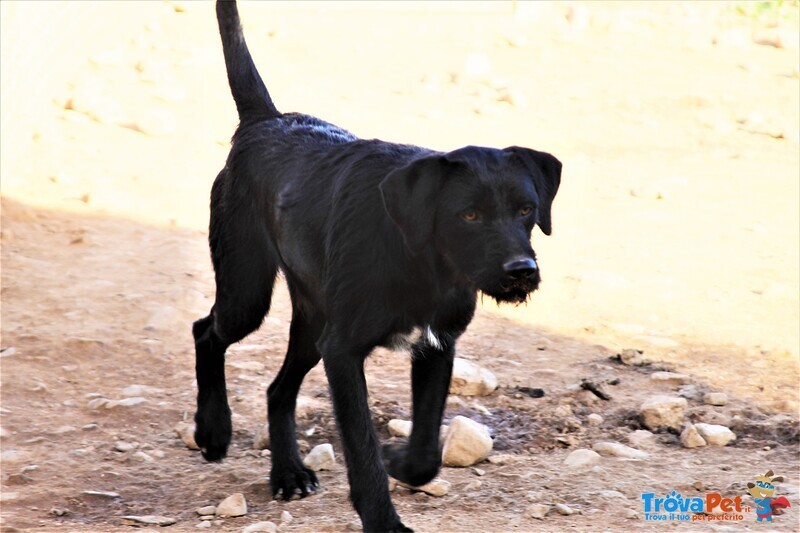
{"x": 418, "y": 462}
{"x": 245, "y": 265}
{"x": 288, "y": 475}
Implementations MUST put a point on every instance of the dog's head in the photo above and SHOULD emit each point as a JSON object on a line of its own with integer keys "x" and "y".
{"x": 477, "y": 207}
{"x": 764, "y": 487}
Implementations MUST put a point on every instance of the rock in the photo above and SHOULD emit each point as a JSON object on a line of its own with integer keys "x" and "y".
{"x": 631, "y": 357}
{"x": 470, "y": 379}
{"x": 261, "y": 440}
{"x": 101, "y": 494}
{"x": 320, "y": 458}
{"x": 564, "y": 509}
{"x": 715, "y": 398}
{"x": 537, "y": 511}
{"x": 438, "y": 487}
{"x": 286, "y": 518}
{"x": 306, "y": 407}
{"x": 715, "y": 435}
{"x": 661, "y": 412}
{"x": 233, "y": 505}
{"x": 399, "y": 428}
{"x": 4, "y": 433}
{"x": 690, "y": 437}
{"x": 122, "y": 446}
{"x": 185, "y": 431}
{"x": 98, "y": 403}
{"x": 669, "y": 377}
{"x": 143, "y": 457}
{"x": 208, "y": 510}
{"x": 150, "y": 520}
{"x": 582, "y": 458}
{"x": 641, "y": 438}
{"x": 594, "y": 419}
{"x": 127, "y": 402}
{"x": 502, "y": 459}
{"x": 467, "y": 443}
{"x": 268, "y": 527}
{"x": 355, "y": 525}
{"x": 619, "y": 450}
{"x": 56, "y": 511}
{"x": 479, "y": 471}
{"x": 203, "y": 525}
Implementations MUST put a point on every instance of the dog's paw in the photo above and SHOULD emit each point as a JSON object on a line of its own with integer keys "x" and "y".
{"x": 297, "y": 480}
{"x": 414, "y": 472}
{"x": 213, "y": 433}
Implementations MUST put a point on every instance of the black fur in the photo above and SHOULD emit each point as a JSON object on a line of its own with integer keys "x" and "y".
{"x": 375, "y": 239}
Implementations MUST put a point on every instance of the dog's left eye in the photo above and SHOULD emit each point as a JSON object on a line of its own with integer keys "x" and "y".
{"x": 525, "y": 211}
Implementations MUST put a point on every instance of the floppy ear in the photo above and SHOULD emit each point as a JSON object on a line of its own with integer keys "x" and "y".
{"x": 545, "y": 171}
{"x": 410, "y": 194}
{"x": 751, "y": 485}
{"x": 777, "y": 479}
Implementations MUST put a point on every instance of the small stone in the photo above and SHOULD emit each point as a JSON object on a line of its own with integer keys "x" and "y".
{"x": 715, "y": 398}
{"x": 122, "y": 446}
{"x": 438, "y": 487}
{"x": 355, "y": 525}
{"x": 669, "y": 377}
{"x": 501, "y": 459}
{"x": 582, "y": 458}
{"x": 594, "y": 419}
{"x": 233, "y": 505}
{"x": 473, "y": 485}
{"x": 564, "y": 509}
{"x": 320, "y": 458}
{"x": 150, "y": 520}
{"x": 662, "y": 412}
{"x": 56, "y": 511}
{"x": 207, "y": 510}
{"x": 261, "y": 440}
{"x": 101, "y": 494}
{"x": 619, "y": 450}
{"x": 467, "y": 443}
{"x": 203, "y": 525}
{"x": 127, "y": 402}
{"x": 392, "y": 484}
{"x": 631, "y": 357}
{"x": 399, "y": 428}
{"x": 98, "y": 403}
{"x": 4, "y": 433}
{"x": 479, "y": 471}
{"x": 185, "y": 431}
{"x": 470, "y": 379}
{"x": 143, "y": 457}
{"x": 537, "y": 511}
{"x": 715, "y": 435}
{"x": 630, "y": 514}
{"x": 286, "y": 518}
{"x": 268, "y": 527}
{"x": 641, "y": 438}
{"x": 690, "y": 437}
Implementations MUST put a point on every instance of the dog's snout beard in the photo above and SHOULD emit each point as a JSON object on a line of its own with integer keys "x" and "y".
{"x": 511, "y": 290}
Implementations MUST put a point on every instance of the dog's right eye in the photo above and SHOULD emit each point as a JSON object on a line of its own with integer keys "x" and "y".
{"x": 470, "y": 215}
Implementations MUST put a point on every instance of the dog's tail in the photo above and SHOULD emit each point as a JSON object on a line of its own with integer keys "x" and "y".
{"x": 249, "y": 92}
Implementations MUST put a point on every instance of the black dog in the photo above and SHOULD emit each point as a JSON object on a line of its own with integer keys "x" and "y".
{"x": 381, "y": 245}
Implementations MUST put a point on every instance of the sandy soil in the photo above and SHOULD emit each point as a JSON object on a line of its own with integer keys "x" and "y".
{"x": 676, "y": 232}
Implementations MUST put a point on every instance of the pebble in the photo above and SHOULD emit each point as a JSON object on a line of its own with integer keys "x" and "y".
{"x": 594, "y": 419}
{"x": 470, "y": 379}
{"x": 537, "y": 510}
{"x": 355, "y": 525}
{"x": 320, "y": 458}
{"x": 122, "y": 446}
{"x": 127, "y": 402}
{"x": 206, "y": 510}
{"x": 286, "y": 518}
{"x": 619, "y": 450}
{"x": 715, "y": 435}
{"x": 690, "y": 437}
{"x": 438, "y": 487}
{"x": 582, "y": 458}
{"x": 661, "y": 412}
{"x": 564, "y": 509}
{"x": 233, "y": 505}
{"x": 143, "y": 457}
{"x": 501, "y": 458}
{"x": 150, "y": 520}
{"x": 479, "y": 471}
{"x": 399, "y": 428}
{"x": 631, "y": 357}
{"x": 641, "y": 438}
{"x": 467, "y": 442}
{"x": 473, "y": 485}
{"x": 101, "y": 494}
{"x": 669, "y": 377}
{"x": 203, "y": 525}
{"x": 715, "y": 398}
{"x": 97, "y": 403}
{"x": 268, "y": 527}
{"x": 185, "y": 431}
{"x": 261, "y": 440}
{"x": 4, "y": 433}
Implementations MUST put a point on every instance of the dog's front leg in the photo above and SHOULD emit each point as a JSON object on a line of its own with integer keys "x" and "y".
{"x": 369, "y": 485}
{"x": 419, "y": 461}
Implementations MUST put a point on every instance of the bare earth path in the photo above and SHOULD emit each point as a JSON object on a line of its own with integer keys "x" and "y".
{"x": 676, "y": 232}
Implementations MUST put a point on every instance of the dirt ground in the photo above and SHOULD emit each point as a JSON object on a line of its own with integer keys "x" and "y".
{"x": 676, "y": 232}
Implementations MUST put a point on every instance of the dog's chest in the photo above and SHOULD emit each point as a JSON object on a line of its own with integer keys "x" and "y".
{"x": 418, "y": 335}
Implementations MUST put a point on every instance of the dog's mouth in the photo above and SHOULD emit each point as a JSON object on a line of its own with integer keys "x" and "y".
{"x": 513, "y": 292}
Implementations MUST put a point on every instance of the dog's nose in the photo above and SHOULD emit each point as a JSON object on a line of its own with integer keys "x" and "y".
{"x": 521, "y": 268}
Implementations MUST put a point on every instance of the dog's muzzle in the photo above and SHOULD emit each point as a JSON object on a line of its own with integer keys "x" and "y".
{"x": 521, "y": 269}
